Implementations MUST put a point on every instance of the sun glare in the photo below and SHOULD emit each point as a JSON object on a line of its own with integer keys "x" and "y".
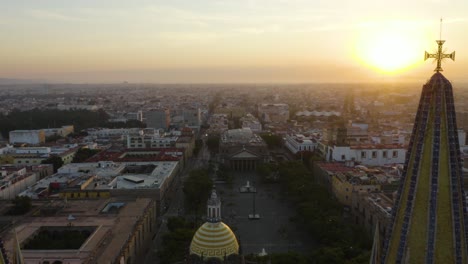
{"x": 389, "y": 49}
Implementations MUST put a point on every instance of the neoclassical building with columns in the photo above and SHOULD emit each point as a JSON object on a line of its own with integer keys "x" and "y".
{"x": 242, "y": 150}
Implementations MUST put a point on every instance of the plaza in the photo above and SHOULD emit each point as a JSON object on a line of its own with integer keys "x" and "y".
{"x": 274, "y": 231}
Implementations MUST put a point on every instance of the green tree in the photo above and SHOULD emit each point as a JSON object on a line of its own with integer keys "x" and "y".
{"x": 198, "y": 146}
{"x": 265, "y": 171}
{"x": 21, "y": 205}
{"x": 197, "y": 189}
{"x": 83, "y": 154}
{"x": 327, "y": 255}
{"x": 322, "y": 217}
{"x": 290, "y": 258}
{"x": 225, "y": 174}
{"x": 6, "y": 159}
{"x": 272, "y": 140}
{"x": 41, "y": 118}
{"x": 175, "y": 243}
{"x": 212, "y": 142}
{"x": 53, "y": 138}
{"x": 56, "y": 161}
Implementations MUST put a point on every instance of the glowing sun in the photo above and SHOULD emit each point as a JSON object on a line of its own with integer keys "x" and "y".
{"x": 390, "y": 49}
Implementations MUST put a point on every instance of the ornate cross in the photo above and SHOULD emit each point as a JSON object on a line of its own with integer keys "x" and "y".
{"x": 439, "y": 56}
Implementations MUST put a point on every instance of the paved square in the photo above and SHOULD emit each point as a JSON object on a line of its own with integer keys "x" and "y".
{"x": 273, "y": 231}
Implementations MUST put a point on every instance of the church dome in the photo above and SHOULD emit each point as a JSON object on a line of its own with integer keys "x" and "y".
{"x": 214, "y": 240}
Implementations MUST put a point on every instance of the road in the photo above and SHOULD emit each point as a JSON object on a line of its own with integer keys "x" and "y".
{"x": 177, "y": 203}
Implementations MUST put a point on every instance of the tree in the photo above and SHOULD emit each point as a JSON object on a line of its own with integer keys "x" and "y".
{"x": 83, "y": 154}
{"x": 272, "y": 140}
{"x": 6, "y": 159}
{"x": 198, "y": 146}
{"x": 53, "y": 138}
{"x": 327, "y": 255}
{"x": 175, "y": 242}
{"x": 21, "y": 205}
{"x": 56, "y": 161}
{"x": 212, "y": 142}
{"x": 41, "y": 118}
{"x": 265, "y": 172}
{"x": 224, "y": 174}
{"x": 307, "y": 157}
{"x": 322, "y": 217}
{"x": 78, "y": 134}
{"x": 197, "y": 189}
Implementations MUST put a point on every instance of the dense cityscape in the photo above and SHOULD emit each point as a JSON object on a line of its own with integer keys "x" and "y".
{"x": 82, "y": 160}
{"x": 233, "y": 132}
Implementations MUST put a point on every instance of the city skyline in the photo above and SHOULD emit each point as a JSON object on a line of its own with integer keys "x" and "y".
{"x": 226, "y": 42}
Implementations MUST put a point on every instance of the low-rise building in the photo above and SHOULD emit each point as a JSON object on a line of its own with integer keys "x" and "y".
{"x": 298, "y": 142}
{"x": 111, "y": 230}
{"x": 155, "y": 140}
{"x": 276, "y": 113}
{"x": 370, "y": 208}
{"x": 367, "y": 193}
{"x": 35, "y": 155}
{"x": 78, "y": 107}
{"x": 218, "y": 124}
{"x": 33, "y": 137}
{"x": 14, "y": 180}
{"x": 150, "y": 179}
{"x": 241, "y": 149}
{"x": 343, "y": 185}
{"x": 372, "y": 155}
{"x": 250, "y": 121}
{"x": 316, "y": 113}
{"x": 111, "y": 132}
{"x": 59, "y": 131}
{"x": 186, "y": 141}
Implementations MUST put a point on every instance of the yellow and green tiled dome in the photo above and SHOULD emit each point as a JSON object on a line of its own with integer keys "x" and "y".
{"x": 214, "y": 240}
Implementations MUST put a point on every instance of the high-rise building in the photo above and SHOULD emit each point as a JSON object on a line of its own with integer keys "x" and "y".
{"x": 429, "y": 216}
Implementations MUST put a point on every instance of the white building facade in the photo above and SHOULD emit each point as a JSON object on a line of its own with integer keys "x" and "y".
{"x": 33, "y": 137}
{"x": 299, "y": 142}
{"x": 371, "y": 155}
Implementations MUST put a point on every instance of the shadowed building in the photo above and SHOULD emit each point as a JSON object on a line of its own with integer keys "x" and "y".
{"x": 115, "y": 230}
{"x": 429, "y": 217}
{"x": 242, "y": 150}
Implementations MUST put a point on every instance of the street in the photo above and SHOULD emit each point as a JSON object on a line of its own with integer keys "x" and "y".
{"x": 177, "y": 203}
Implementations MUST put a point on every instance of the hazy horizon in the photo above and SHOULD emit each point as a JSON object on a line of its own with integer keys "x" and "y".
{"x": 242, "y": 41}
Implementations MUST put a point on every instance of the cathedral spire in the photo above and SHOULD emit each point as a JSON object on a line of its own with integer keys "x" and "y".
{"x": 439, "y": 56}
{"x": 376, "y": 246}
{"x": 429, "y": 218}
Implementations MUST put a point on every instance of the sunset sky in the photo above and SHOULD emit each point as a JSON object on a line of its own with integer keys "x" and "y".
{"x": 229, "y": 41}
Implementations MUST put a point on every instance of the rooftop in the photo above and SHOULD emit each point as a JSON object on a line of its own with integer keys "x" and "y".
{"x": 241, "y": 136}
{"x": 104, "y": 176}
{"x": 109, "y": 234}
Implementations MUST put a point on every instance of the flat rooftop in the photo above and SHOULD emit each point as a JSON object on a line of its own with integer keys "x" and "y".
{"x": 110, "y": 230}
{"x": 106, "y": 176}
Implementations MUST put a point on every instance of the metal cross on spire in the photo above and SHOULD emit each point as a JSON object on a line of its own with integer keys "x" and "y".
{"x": 439, "y": 56}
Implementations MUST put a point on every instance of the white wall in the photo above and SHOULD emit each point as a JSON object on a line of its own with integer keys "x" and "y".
{"x": 368, "y": 159}
{"x": 14, "y": 189}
